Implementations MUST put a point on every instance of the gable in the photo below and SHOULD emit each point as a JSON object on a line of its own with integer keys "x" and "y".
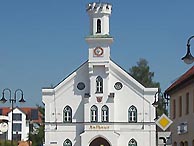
{"x": 129, "y": 81}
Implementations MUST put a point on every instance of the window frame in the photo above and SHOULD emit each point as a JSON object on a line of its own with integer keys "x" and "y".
{"x": 105, "y": 113}
{"x": 65, "y": 142}
{"x": 132, "y": 114}
{"x": 17, "y": 117}
{"x": 99, "y": 26}
{"x": 17, "y": 127}
{"x": 180, "y": 106}
{"x": 187, "y": 103}
{"x": 67, "y": 114}
{"x": 99, "y": 84}
{"x": 94, "y": 114}
{"x": 132, "y": 142}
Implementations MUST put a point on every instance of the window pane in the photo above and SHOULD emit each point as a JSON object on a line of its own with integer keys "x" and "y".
{"x": 34, "y": 114}
{"x": 17, "y": 117}
{"x": 99, "y": 85}
{"x": 17, "y": 127}
{"x": 132, "y": 142}
{"x": 105, "y": 114}
{"x": 94, "y": 115}
{"x": 132, "y": 113}
{"x": 67, "y": 115}
{"x": 67, "y": 142}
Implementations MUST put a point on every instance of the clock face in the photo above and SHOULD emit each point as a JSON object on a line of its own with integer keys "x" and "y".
{"x": 98, "y": 51}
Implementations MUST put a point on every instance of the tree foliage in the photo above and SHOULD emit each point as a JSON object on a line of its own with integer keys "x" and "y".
{"x": 142, "y": 74}
{"x": 7, "y": 143}
{"x": 37, "y": 137}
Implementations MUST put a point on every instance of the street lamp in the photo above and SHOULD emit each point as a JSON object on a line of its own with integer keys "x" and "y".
{"x": 159, "y": 99}
{"x": 12, "y": 101}
{"x": 156, "y": 104}
{"x": 188, "y": 58}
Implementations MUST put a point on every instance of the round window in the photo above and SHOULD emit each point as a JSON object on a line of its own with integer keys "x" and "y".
{"x": 81, "y": 86}
{"x": 118, "y": 85}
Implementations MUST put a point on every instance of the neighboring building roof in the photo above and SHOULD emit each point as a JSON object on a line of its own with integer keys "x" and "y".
{"x": 29, "y": 111}
{"x": 186, "y": 77}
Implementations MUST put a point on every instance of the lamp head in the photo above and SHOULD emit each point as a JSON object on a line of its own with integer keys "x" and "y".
{"x": 155, "y": 104}
{"x": 3, "y": 100}
{"x": 188, "y": 58}
{"x": 22, "y": 99}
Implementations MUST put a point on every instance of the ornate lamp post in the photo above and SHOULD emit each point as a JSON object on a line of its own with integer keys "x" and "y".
{"x": 156, "y": 104}
{"x": 12, "y": 101}
{"x": 159, "y": 99}
{"x": 188, "y": 58}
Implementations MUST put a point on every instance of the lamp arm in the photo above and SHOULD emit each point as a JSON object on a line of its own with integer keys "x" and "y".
{"x": 7, "y": 89}
{"x": 188, "y": 41}
{"x": 15, "y": 94}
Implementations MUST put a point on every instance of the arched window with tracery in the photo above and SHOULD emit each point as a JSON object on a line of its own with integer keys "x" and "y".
{"x": 67, "y": 114}
{"x": 67, "y": 142}
{"x": 132, "y": 142}
{"x": 132, "y": 114}
{"x": 99, "y": 84}
{"x": 105, "y": 113}
{"x": 94, "y": 113}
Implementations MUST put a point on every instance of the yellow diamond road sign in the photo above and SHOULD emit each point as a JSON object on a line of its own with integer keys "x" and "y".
{"x": 163, "y": 122}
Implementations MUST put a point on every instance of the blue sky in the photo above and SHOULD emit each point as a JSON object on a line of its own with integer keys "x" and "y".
{"x": 41, "y": 42}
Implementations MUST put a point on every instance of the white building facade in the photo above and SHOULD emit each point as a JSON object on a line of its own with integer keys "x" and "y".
{"x": 99, "y": 104}
{"x": 20, "y": 120}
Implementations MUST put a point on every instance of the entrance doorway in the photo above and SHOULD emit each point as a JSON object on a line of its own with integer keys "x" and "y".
{"x": 99, "y": 142}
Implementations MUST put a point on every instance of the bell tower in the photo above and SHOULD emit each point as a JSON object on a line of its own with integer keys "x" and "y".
{"x": 99, "y": 39}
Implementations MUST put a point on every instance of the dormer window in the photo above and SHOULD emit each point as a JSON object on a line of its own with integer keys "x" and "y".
{"x": 98, "y": 26}
{"x": 99, "y": 85}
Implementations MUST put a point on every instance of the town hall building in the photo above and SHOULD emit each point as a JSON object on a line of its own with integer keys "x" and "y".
{"x": 99, "y": 104}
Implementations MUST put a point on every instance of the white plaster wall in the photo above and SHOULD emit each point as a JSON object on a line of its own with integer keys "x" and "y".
{"x": 67, "y": 94}
{"x": 25, "y": 129}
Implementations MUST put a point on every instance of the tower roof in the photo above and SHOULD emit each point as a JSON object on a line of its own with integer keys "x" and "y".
{"x": 93, "y": 8}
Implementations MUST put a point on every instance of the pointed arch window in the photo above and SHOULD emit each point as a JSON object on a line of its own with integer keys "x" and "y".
{"x": 132, "y": 114}
{"x": 98, "y": 26}
{"x": 67, "y": 114}
{"x": 132, "y": 142}
{"x": 67, "y": 142}
{"x": 105, "y": 114}
{"x": 99, "y": 85}
{"x": 94, "y": 113}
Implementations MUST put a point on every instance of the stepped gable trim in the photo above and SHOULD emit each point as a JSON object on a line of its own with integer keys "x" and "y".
{"x": 187, "y": 76}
